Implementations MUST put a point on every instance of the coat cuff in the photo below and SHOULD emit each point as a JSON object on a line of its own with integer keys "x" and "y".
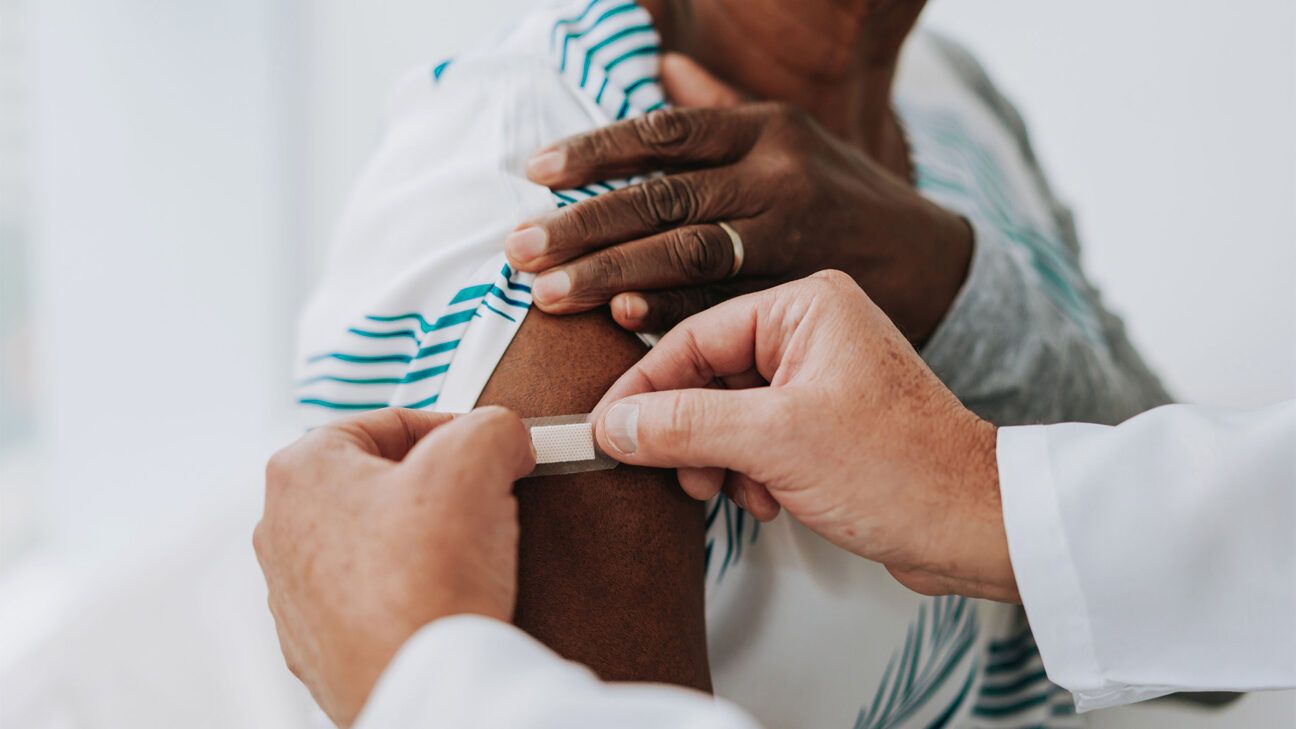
{"x": 1041, "y": 560}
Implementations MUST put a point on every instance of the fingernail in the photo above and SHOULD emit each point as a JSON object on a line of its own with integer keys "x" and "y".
{"x": 634, "y": 307}
{"x": 526, "y": 244}
{"x": 621, "y": 426}
{"x": 551, "y": 287}
{"x": 546, "y": 165}
{"x": 740, "y": 498}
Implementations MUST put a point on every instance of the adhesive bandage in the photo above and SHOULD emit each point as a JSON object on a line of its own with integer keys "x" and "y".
{"x": 565, "y": 444}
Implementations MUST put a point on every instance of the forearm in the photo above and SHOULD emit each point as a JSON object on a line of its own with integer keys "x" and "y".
{"x": 1014, "y": 356}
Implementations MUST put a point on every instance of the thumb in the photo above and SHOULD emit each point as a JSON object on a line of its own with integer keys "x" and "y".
{"x": 688, "y": 428}
{"x": 687, "y": 84}
{"x": 489, "y": 446}
{"x": 388, "y": 433}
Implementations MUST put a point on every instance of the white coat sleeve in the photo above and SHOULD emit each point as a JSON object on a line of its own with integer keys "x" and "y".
{"x": 1159, "y": 555}
{"x": 469, "y": 671}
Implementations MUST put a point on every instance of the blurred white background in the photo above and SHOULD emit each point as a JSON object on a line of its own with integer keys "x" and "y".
{"x": 170, "y": 173}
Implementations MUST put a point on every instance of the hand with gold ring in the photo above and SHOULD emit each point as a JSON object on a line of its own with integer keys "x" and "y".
{"x": 750, "y": 195}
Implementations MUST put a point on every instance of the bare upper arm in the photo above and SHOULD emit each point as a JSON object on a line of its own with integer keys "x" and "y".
{"x": 611, "y": 563}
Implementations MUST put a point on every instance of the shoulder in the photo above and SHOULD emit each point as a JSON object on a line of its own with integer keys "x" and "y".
{"x": 598, "y": 55}
{"x": 940, "y": 80}
{"x": 502, "y": 94}
{"x": 973, "y": 77}
{"x": 934, "y": 65}
{"x": 424, "y": 225}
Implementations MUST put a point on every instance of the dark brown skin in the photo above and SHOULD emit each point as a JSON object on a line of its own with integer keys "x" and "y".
{"x": 835, "y": 59}
{"x": 797, "y": 149}
{"x": 802, "y": 200}
{"x": 610, "y": 570}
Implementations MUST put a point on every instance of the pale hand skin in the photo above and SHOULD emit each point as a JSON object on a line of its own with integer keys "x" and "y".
{"x": 830, "y": 414}
{"x": 801, "y": 199}
{"x": 377, "y": 525}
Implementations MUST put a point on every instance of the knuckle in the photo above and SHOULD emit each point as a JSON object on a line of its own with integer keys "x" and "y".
{"x": 579, "y": 222}
{"x": 785, "y": 168}
{"x": 279, "y": 468}
{"x": 777, "y": 411}
{"x": 788, "y": 116}
{"x": 683, "y": 419}
{"x": 816, "y": 285}
{"x": 783, "y": 408}
{"x": 694, "y": 254}
{"x": 831, "y": 285}
{"x": 608, "y": 270}
{"x": 833, "y": 280}
{"x": 586, "y": 149}
{"x": 785, "y": 133}
{"x": 770, "y": 110}
{"x": 664, "y": 129}
{"x": 665, "y": 202}
{"x": 260, "y": 542}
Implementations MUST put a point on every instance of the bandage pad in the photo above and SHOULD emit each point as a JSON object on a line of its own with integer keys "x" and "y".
{"x": 565, "y": 444}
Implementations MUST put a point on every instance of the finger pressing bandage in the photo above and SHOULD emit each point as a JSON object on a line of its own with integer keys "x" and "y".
{"x": 565, "y": 444}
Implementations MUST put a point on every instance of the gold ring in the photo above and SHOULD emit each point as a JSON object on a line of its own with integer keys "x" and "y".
{"x": 738, "y": 250}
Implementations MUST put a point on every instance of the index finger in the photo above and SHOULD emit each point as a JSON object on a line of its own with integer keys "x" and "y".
{"x": 719, "y": 342}
{"x": 749, "y": 335}
{"x": 487, "y": 448}
{"x": 667, "y": 139}
{"x": 389, "y": 433}
{"x": 349, "y": 447}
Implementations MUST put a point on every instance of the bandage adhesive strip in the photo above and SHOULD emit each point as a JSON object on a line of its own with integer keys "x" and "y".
{"x": 565, "y": 444}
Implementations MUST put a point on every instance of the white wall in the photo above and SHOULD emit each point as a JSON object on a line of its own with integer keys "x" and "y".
{"x": 162, "y": 216}
{"x": 159, "y": 224}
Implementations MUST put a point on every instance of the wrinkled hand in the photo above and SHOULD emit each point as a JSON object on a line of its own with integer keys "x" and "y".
{"x": 801, "y": 200}
{"x": 377, "y": 525}
{"x": 831, "y": 415}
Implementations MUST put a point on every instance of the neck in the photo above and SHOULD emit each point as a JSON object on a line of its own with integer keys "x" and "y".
{"x": 836, "y": 59}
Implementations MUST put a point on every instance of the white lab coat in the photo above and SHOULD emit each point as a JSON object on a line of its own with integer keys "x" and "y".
{"x": 1158, "y": 555}
{"x": 1152, "y": 557}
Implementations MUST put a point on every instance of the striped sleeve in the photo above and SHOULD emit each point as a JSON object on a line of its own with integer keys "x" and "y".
{"x": 418, "y": 304}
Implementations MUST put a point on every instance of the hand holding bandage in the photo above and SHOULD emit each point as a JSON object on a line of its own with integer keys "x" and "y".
{"x": 375, "y": 526}
{"x": 830, "y": 414}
